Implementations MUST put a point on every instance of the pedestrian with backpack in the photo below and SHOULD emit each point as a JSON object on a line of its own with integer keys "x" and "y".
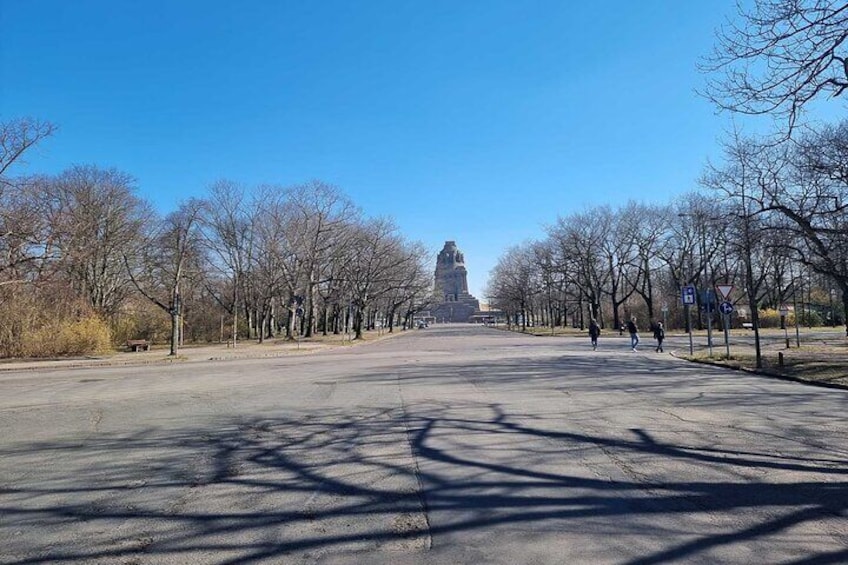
{"x": 659, "y": 335}
{"x": 594, "y": 332}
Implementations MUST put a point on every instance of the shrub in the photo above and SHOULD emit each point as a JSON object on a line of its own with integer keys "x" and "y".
{"x": 806, "y": 318}
{"x": 140, "y": 319}
{"x": 47, "y": 320}
{"x": 84, "y": 336}
{"x": 769, "y": 318}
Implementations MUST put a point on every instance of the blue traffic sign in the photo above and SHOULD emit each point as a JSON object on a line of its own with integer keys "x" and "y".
{"x": 726, "y": 308}
{"x": 708, "y": 301}
{"x": 687, "y": 295}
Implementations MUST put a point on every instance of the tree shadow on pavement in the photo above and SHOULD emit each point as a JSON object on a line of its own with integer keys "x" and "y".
{"x": 304, "y": 486}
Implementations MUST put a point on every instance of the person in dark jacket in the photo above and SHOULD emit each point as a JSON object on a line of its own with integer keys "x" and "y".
{"x": 659, "y": 335}
{"x": 633, "y": 330}
{"x": 594, "y": 332}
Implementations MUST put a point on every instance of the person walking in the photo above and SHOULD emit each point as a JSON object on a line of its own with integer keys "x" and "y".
{"x": 659, "y": 335}
{"x": 633, "y": 330}
{"x": 594, "y": 332}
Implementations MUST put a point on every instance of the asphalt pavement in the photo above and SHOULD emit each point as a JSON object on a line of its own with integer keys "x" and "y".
{"x": 453, "y": 444}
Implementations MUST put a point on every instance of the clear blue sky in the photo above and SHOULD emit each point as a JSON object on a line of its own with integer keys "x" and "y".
{"x": 476, "y": 121}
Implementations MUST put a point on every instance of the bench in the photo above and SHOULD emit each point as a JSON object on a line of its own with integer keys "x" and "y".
{"x": 138, "y": 344}
{"x": 748, "y": 325}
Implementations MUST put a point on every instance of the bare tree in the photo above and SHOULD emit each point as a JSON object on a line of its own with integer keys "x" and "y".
{"x": 812, "y": 193}
{"x": 412, "y": 283}
{"x": 619, "y": 251}
{"x": 319, "y": 212}
{"x": 577, "y": 239}
{"x": 277, "y": 275}
{"x": 511, "y": 286}
{"x": 100, "y": 221}
{"x": 29, "y": 220}
{"x": 16, "y": 138}
{"x": 376, "y": 263}
{"x": 648, "y": 226}
{"x": 227, "y": 226}
{"x": 27, "y": 214}
{"x": 779, "y": 57}
{"x": 170, "y": 255}
{"x": 744, "y": 179}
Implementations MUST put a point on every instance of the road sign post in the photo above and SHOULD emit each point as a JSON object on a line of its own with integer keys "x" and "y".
{"x": 689, "y": 326}
{"x": 709, "y": 302}
{"x": 726, "y": 309}
{"x": 784, "y": 312}
{"x": 687, "y": 296}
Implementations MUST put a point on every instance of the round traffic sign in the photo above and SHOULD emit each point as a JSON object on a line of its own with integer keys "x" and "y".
{"x": 726, "y": 308}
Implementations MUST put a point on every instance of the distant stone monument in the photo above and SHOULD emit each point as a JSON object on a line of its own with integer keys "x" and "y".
{"x": 452, "y": 301}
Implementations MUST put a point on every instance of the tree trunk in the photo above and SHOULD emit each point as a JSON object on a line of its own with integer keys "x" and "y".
{"x": 326, "y": 315}
{"x": 337, "y": 319}
{"x": 291, "y": 327}
{"x": 391, "y": 318}
{"x": 845, "y": 305}
{"x": 174, "y": 311}
{"x": 175, "y": 325}
{"x": 357, "y": 322}
{"x": 755, "y": 312}
{"x": 309, "y": 307}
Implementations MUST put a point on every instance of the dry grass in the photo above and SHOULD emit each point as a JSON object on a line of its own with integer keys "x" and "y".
{"x": 821, "y": 361}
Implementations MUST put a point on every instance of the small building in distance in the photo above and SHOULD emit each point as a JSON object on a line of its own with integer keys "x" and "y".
{"x": 488, "y": 315}
{"x": 452, "y": 301}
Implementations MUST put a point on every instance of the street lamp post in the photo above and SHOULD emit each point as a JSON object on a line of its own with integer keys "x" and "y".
{"x": 708, "y": 295}
{"x": 795, "y": 308}
{"x": 689, "y": 321}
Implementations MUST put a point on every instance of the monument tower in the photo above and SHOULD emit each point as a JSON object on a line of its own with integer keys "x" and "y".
{"x": 452, "y": 301}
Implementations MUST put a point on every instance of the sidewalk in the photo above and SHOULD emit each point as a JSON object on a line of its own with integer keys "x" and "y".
{"x": 194, "y": 353}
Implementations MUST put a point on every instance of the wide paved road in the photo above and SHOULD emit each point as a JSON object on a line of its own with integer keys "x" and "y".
{"x": 447, "y": 445}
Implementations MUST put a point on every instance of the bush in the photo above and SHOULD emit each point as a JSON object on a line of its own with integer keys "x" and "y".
{"x": 85, "y": 336}
{"x": 48, "y": 321}
{"x": 140, "y": 319}
{"x": 811, "y": 318}
{"x": 770, "y": 318}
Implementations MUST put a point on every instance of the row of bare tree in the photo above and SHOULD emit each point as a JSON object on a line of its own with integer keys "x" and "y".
{"x": 772, "y": 221}
{"x": 267, "y": 261}
{"x": 774, "y": 214}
